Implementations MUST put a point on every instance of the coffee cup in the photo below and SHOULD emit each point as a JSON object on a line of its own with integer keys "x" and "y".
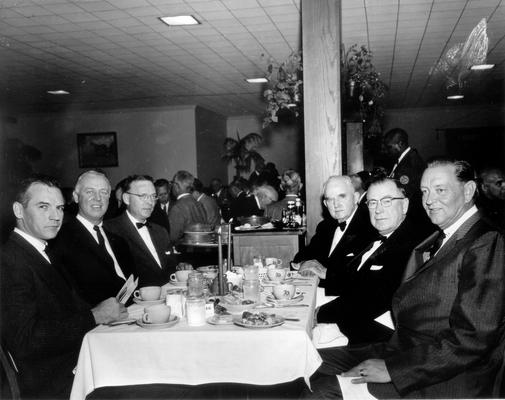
{"x": 278, "y": 274}
{"x": 285, "y": 291}
{"x": 148, "y": 293}
{"x": 181, "y": 276}
{"x": 273, "y": 261}
{"x": 158, "y": 314}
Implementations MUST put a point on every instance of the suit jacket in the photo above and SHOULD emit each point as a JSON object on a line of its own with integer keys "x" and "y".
{"x": 160, "y": 217}
{"x": 91, "y": 269}
{"x": 449, "y": 312}
{"x": 366, "y": 293}
{"x": 148, "y": 270}
{"x": 43, "y": 320}
{"x": 357, "y": 236}
{"x": 185, "y": 211}
{"x": 409, "y": 172}
{"x": 245, "y": 206}
{"x": 213, "y": 216}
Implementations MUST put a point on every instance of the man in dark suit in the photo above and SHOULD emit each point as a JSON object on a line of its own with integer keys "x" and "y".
{"x": 449, "y": 309}
{"x": 186, "y": 209}
{"x": 148, "y": 242}
{"x": 337, "y": 239}
{"x": 238, "y": 191}
{"x": 212, "y": 213}
{"x": 375, "y": 273}
{"x": 163, "y": 205}
{"x": 222, "y": 196}
{"x": 43, "y": 318}
{"x": 98, "y": 261}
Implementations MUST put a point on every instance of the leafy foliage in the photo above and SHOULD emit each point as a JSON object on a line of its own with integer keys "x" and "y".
{"x": 242, "y": 151}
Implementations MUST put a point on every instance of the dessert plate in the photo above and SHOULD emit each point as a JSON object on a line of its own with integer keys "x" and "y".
{"x": 276, "y": 322}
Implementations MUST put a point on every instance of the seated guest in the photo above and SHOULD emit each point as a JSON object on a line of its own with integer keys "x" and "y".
{"x": 239, "y": 190}
{"x": 491, "y": 200}
{"x": 163, "y": 205}
{"x": 375, "y": 273}
{"x": 291, "y": 183}
{"x": 213, "y": 216}
{"x": 44, "y": 319}
{"x": 337, "y": 239}
{"x": 449, "y": 310}
{"x": 148, "y": 242}
{"x": 186, "y": 209}
{"x": 98, "y": 261}
{"x": 256, "y": 203}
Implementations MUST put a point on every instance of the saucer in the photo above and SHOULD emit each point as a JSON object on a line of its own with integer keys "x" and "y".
{"x": 148, "y": 302}
{"x": 179, "y": 284}
{"x": 171, "y": 322}
{"x": 220, "y": 320}
{"x": 284, "y": 302}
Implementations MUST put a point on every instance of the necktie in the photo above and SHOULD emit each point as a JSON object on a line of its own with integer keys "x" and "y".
{"x": 437, "y": 244}
{"x": 101, "y": 241}
{"x": 141, "y": 225}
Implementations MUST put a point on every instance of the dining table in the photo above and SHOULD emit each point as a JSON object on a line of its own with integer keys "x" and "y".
{"x": 193, "y": 355}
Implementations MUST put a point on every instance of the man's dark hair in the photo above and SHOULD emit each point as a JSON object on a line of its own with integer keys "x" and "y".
{"x": 464, "y": 171}
{"x": 198, "y": 185}
{"x": 382, "y": 179}
{"x": 366, "y": 178}
{"x": 135, "y": 178}
{"x": 161, "y": 182}
{"x": 22, "y": 189}
{"x": 397, "y": 135}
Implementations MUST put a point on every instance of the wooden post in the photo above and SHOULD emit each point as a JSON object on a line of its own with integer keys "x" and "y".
{"x": 321, "y": 20}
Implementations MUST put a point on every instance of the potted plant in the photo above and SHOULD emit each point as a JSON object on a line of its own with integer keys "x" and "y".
{"x": 242, "y": 151}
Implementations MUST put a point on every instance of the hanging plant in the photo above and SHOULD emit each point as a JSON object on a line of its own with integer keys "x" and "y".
{"x": 363, "y": 90}
{"x": 284, "y": 94}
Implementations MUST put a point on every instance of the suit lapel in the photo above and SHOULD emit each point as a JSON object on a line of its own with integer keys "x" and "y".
{"x": 158, "y": 246}
{"x": 89, "y": 241}
{"x": 135, "y": 235}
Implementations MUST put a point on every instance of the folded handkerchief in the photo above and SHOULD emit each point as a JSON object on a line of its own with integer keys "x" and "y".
{"x": 328, "y": 335}
{"x": 350, "y": 255}
{"x": 376, "y": 267}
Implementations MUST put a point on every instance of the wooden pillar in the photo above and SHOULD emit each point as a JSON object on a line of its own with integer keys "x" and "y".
{"x": 321, "y": 33}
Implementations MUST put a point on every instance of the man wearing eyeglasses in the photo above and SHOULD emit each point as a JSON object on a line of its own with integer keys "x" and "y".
{"x": 98, "y": 260}
{"x": 339, "y": 237}
{"x": 149, "y": 243}
{"x": 374, "y": 274}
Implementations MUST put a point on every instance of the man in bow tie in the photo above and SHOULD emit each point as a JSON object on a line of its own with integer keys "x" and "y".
{"x": 149, "y": 243}
{"x": 339, "y": 237}
{"x": 97, "y": 260}
{"x": 374, "y": 274}
{"x": 449, "y": 310}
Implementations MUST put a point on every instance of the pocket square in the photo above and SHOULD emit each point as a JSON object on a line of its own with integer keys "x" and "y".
{"x": 350, "y": 255}
{"x": 376, "y": 267}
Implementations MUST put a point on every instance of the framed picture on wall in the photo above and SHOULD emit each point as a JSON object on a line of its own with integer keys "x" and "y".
{"x": 97, "y": 149}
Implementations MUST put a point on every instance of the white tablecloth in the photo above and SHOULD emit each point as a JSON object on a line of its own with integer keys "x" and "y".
{"x": 131, "y": 355}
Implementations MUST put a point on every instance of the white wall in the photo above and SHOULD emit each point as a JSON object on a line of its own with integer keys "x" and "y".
{"x": 155, "y": 141}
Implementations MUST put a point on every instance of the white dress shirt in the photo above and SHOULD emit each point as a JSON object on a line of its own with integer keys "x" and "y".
{"x": 454, "y": 227}
{"x": 146, "y": 236}
{"x": 89, "y": 227}
{"x": 374, "y": 248}
{"x": 339, "y": 233}
{"x": 40, "y": 245}
{"x": 398, "y": 162}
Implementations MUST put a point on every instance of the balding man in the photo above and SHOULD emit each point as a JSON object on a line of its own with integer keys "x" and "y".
{"x": 98, "y": 260}
{"x": 491, "y": 200}
{"x": 338, "y": 239}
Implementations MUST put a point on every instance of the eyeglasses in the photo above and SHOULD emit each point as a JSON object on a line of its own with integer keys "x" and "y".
{"x": 145, "y": 196}
{"x": 385, "y": 202}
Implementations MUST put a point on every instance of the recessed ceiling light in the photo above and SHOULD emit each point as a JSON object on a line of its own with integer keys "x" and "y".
{"x": 58, "y": 92}
{"x": 257, "y": 80}
{"x": 455, "y": 97}
{"x": 481, "y": 67}
{"x": 179, "y": 20}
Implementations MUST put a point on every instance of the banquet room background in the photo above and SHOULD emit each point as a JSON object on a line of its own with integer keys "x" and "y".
{"x": 172, "y": 94}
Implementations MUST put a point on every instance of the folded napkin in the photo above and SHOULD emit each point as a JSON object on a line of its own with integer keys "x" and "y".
{"x": 354, "y": 391}
{"x": 328, "y": 335}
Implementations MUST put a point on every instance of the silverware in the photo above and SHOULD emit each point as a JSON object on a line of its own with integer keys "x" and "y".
{"x": 291, "y": 319}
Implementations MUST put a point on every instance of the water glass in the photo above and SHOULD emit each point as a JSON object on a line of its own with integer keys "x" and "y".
{"x": 195, "y": 311}
{"x": 251, "y": 289}
{"x": 195, "y": 284}
{"x": 250, "y": 272}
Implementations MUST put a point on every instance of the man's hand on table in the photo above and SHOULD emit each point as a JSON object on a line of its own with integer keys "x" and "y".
{"x": 108, "y": 311}
{"x": 373, "y": 370}
{"x": 311, "y": 268}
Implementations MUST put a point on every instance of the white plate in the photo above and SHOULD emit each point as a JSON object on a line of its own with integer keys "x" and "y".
{"x": 216, "y": 320}
{"x": 148, "y": 302}
{"x": 294, "y": 300}
{"x": 123, "y": 322}
{"x": 173, "y": 320}
{"x": 179, "y": 284}
{"x": 277, "y": 322}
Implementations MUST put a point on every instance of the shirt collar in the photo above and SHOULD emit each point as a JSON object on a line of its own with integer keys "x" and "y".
{"x": 133, "y": 219}
{"x": 403, "y": 155}
{"x": 455, "y": 226}
{"x": 88, "y": 225}
{"x": 182, "y": 195}
{"x": 40, "y": 245}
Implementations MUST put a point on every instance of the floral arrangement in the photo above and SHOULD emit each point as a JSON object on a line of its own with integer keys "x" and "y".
{"x": 363, "y": 89}
{"x": 285, "y": 89}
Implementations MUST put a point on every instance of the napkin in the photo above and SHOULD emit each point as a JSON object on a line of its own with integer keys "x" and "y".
{"x": 328, "y": 335}
{"x": 354, "y": 391}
